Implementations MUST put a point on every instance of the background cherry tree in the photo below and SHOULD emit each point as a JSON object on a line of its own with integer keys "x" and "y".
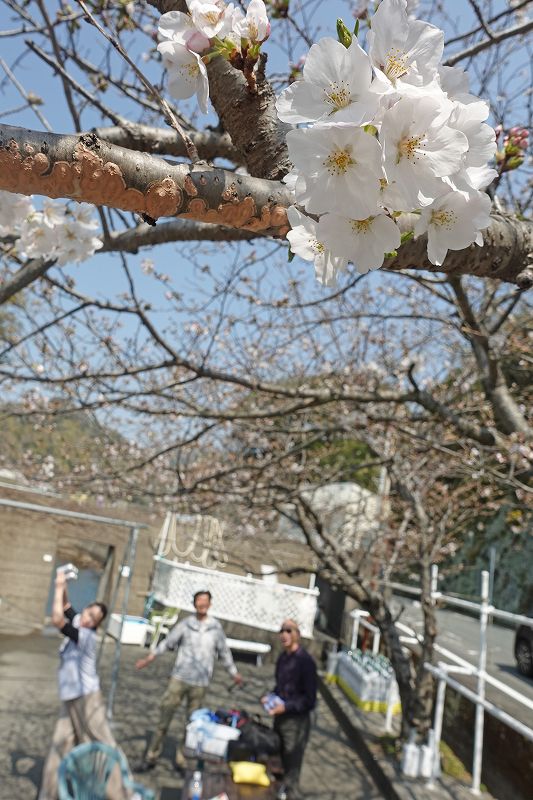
{"x": 207, "y": 366}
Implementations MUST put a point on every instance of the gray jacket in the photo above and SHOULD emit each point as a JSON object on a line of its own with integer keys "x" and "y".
{"x": 198, "y": 644}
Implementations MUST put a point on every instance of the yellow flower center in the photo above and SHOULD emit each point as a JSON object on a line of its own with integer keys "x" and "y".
{"x": 317, "y": 246}
{"x": 339, "y": 96}
{"x": 338, "y": 162}
{"x": 409, "y": 147}
{"x": 361, "y": 225}
{"x": 444, "y": 219}
{"x": 396, "y": 64}
{"x": 191, "y": 70}
{"x": 212, "y": 17}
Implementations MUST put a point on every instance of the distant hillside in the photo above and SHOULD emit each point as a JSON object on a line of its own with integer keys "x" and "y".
{"x": 45, "y": 449}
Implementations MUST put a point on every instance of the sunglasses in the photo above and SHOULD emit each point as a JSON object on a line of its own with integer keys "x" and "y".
{"x": 287, "y": 630}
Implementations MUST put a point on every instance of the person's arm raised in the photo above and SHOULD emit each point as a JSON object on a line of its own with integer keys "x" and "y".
{"x": 58, "y": 606}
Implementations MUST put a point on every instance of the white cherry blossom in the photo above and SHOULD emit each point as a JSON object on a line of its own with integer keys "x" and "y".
{"x": 75, "y": 244}
{"x": 37, "y": 238}
{"x": 477, "y": 177}
{"x": 362, "y": 241}
{"x": 454, "y": 81}
{"x": 453, "y": 222}
{"x": 14, "y": 208}
{"x": 334, "y": 87}
{"x": 469, "y": 117}
{"x": 83, "y": 215}
{"x": 177, "y": 27}
{"x": 255, "y": 26}
{"x": 420, "y": 148}
{"x": 187, "y": 74}
{"x": 341, "y": 165}
{"x": 304, "y": 243}
{"x": 53, "y": 212}
{"x": 403, "y": 51}
{"x": 208, "y": 17}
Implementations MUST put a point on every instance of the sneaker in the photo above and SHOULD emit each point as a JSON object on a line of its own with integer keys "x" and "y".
{"x": 144, "y": 766}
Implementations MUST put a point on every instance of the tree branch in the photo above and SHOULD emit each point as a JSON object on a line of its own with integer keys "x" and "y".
{"x": 130, "y": 241}
{"x": 507, "y": 253}
{"x": 34, "y": 269}
{"x": 85, "y": 168}
{"x": 496, "y": 38}
{"x": 162, "y": 141}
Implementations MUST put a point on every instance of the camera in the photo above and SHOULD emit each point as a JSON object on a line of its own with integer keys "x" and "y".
{"x": 71, "y": 572}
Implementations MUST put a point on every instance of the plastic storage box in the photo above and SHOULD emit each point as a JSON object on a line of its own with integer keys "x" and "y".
{"x": 209, "y": 738}
{"x": 134, "y": 629}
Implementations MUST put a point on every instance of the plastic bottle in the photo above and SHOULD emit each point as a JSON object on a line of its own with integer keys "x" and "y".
{"x": 195, "y": 786}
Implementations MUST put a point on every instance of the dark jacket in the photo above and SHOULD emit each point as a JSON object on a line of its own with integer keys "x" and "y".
{"x": 296, "y": 681}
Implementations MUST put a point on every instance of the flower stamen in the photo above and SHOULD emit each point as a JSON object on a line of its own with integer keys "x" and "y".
{"x": 338, "y": 96}
{"x": 338, "y": 161}
{"x": 443, "y": 219}
{"x": 409, "y": 147}
{"x": 361, "y": 225}
{"x": 396, "y": 65}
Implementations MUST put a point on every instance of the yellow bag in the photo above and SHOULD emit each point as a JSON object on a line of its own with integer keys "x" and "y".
{"x": 249, "y": 772}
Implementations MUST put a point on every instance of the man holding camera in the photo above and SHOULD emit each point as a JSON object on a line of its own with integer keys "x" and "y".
{"x": 82, "y": 716}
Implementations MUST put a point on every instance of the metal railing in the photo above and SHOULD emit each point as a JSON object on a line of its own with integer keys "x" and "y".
{"x": 479, "y": 671}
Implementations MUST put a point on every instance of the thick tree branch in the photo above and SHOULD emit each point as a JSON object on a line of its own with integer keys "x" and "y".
{"x": 130, "y": 241}
{"x": 162, "y": 141}
{"x": 249, "y": 118}
{"x": 85, "y": 168}
{"x": 507, "y": 253}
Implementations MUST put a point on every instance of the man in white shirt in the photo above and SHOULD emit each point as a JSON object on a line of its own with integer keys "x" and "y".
{"x": 82, "y": 715}
{"x": 200, "y": 639}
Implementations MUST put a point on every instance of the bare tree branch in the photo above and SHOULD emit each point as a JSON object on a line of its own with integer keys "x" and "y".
{"x": 497, "y": 37}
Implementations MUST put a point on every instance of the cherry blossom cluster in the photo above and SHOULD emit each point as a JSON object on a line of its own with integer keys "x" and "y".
{"x": 58, "y": 232}
{"x": 381, "y": 133}
{"x": 210, "y": 28}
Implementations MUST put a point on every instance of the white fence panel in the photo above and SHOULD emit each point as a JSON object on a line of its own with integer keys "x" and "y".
{"x": 236, "y": 598}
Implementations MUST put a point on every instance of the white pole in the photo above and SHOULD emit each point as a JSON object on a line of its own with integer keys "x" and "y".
{"x": 375, "y": 643}
{"x": 480, "y": 711}
{"x": 388, "y": 715}
{"x": 355, "y": 630}
{"x": 434, "y": 579}
{"x": 437, "y": 727}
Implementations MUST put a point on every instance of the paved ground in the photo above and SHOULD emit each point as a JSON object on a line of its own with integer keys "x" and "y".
{"x": 28, "y": 708}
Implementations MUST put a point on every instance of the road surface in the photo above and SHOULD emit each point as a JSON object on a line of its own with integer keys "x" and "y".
{"x": 459, "y": 633}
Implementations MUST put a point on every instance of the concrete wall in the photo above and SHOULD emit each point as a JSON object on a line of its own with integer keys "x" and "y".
{"x": 27, "y": 536}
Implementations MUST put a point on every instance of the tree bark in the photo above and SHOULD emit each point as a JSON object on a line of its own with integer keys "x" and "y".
{"x": 249, "y": 117}
{"x": 85, "y": 168}
{"x": 164, "y": 141}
